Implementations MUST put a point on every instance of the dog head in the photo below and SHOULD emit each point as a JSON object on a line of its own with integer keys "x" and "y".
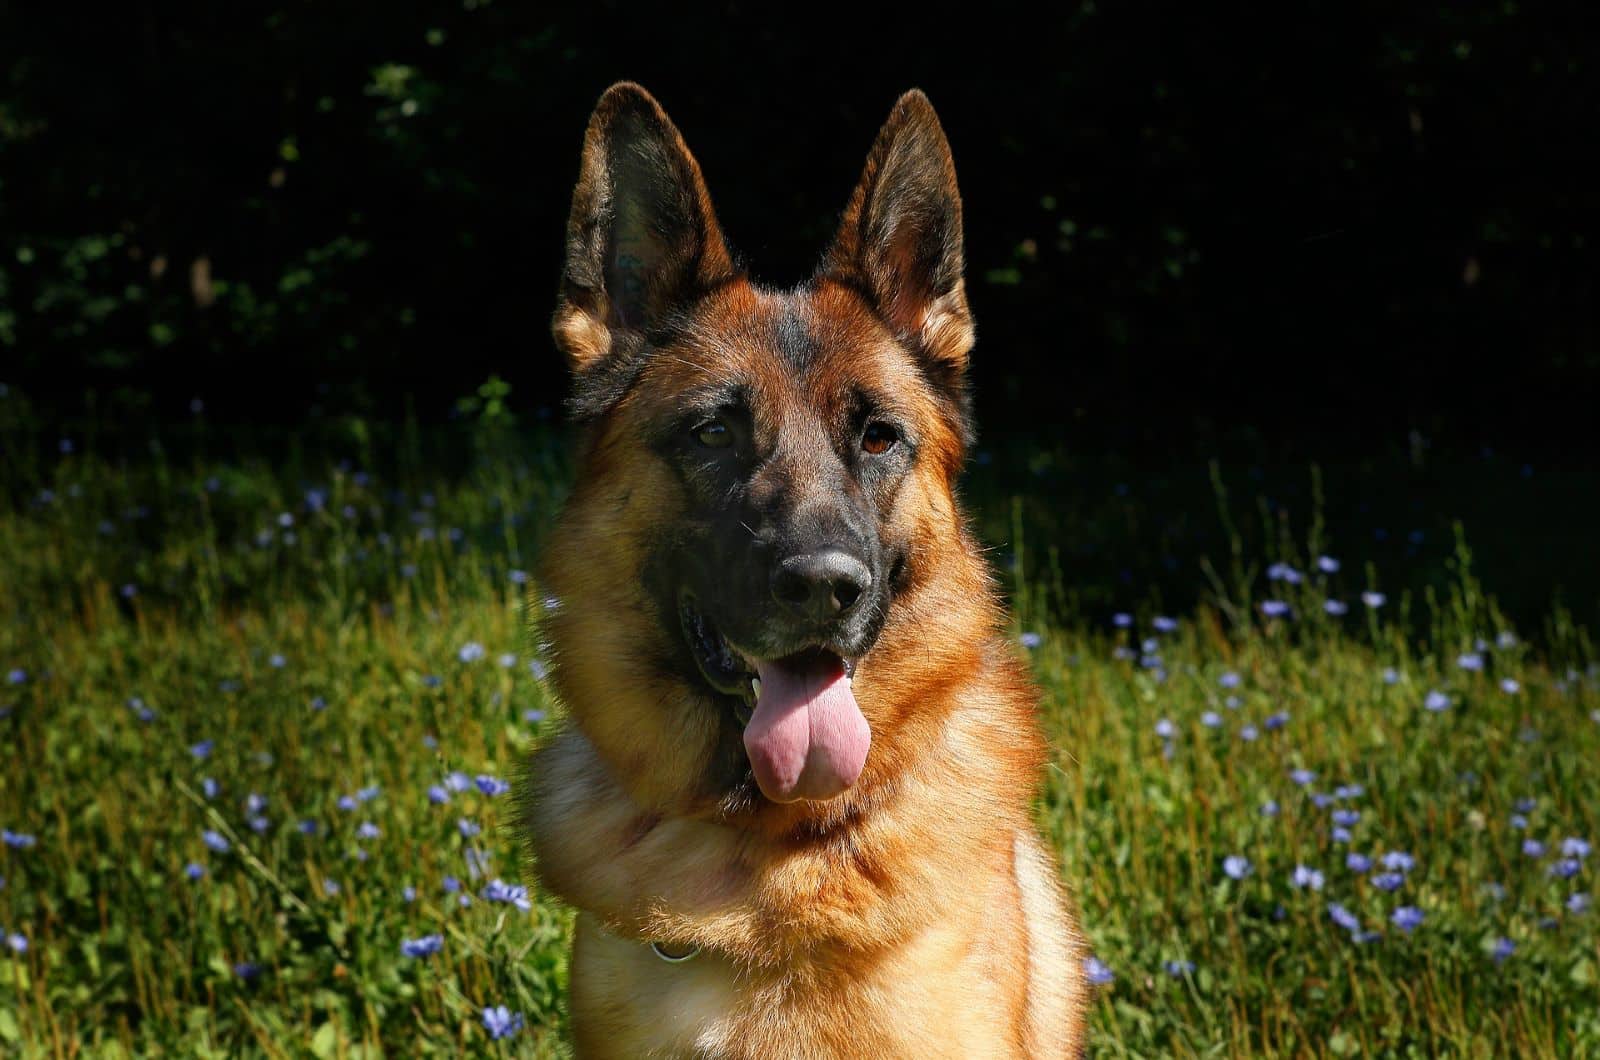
{"x": 765, "y": 488}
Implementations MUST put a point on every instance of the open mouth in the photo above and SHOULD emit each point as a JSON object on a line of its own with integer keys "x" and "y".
{"x": 735, "y": 673}
{"x": 803, "y": 730}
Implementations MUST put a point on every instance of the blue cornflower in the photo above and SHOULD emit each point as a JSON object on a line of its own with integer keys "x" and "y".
{"x": 1573, "y": 847}
{"x": 1274, "y": 608}
{"x": 16, "y": 676}
{"x": 1578, "y": 902}
{"x": 1510, "y": 686}
{"x": 1388, "y": 881}
{"x": 507, "y": 660}
{"x": 1305, "y": 876}
{"x": 1248, "y": 733}
{"x": 1436, "y": 701}
{"x": 1469, "y": 660}
{"x": 1327, "y": 565}
{"x": 17, "y": 942}
{"x": 1374, "y": 600}
{"x": 194, "y": 870}
{"x": 1163, "y": 624}
{"x": 259, "y": 823}
{"x": 1343, "y": 917}
{"x": 492, "y": 785}
{"x": 1349, "y": 791}
{"x": 477, "y": 862}
{"x": 214, "y": 840}
{"x": 457, "y": 781}
{"x": 437, "y": 795}
{"x": 500, "y": 1022}
{"x": 318, "y": 703}
{"x": 1346, "y": 818}
{"x": 1533, "y": 848}
{"x": 471, "y": 651}
{"x": 330, "y": 887}
{"x": 255, "y": 803}
{"x": 1284, "y": 573}
{"x": 1095, "y": 970}
{"x": 1211, "y": 719}
{"x": 209, "y": 786}
{"x": 368, "y": 793}
{"x": 1391, "y": 676}
{"x": 1321, "y": 800}
{"x": 1122, "y": 620}
{"x": 1399, "y": 861}
{"x": 1269, "y": 808}
{"x": 277, "y": 661}
{"x": 1525, "y": 805}
{"x": 1276, "y": 721}
{"x": 1237, "y": 866}
{"x": 408, "y": 894}
{"x": 430, "y": 741}
{"x": 1229, "y": 679}
{"x": 1340, "y": 834}
{"x": 1178, "y": 969}
{"x": 1302, "y": 777}
{"x": 1407, "y": 917}
{"x": 1031, "y": 640}
{"x": 1165, "y": 729}
{"x": 347, "y": 802}
{"x": 500, "y": 891}
{"x": 367, "y": 830}
{"x": 1519, "y": 821}
{"x": 426, "y": 946}
{"x": 1357, "y": 862}
{"x": 467, "y": 827}
{"x": 202, "y": 749}
{"x": 140, "y": 711}
{"x": 1335, "y": 607}
{"x": 450, "y": 884}
{"x": 1503, "y": 948}
{"x": 307, "y": 827}
{"x": 1564, "y": 868}
{"x": 533, "y": 716}
{"x": 18, "y": 840}
{"x": 518, "y": 577}
{"x": 538, "y": 669}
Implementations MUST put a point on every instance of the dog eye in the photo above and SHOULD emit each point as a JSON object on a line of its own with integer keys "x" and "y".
{"x": 879, "y": 438}
{"x": 713, "y": 434}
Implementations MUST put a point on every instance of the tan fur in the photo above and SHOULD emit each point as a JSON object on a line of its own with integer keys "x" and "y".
{"x": 917, "y": 914}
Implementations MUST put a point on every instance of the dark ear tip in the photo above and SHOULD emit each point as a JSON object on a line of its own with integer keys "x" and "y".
{"x": 628, "y": 97}
{"x": 914, "y": 106}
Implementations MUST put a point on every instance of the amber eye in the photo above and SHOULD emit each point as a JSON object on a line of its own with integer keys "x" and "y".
{"x": 713, "y": 434}
{"x": 879, "y": 438}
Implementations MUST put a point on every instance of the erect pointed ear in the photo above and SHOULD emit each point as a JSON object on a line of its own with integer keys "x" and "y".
{"x": 642, "y": 237}
{"x": 900, "y": 239}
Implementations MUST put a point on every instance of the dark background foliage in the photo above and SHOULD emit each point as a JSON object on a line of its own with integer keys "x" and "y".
{"x": 1327, "y": 224}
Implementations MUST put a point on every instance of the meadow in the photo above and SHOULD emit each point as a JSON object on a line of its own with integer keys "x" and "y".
{"x": 261, "y": 716}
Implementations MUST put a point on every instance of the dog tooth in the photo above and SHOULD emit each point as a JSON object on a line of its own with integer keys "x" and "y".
{"x": 755, "y": 686}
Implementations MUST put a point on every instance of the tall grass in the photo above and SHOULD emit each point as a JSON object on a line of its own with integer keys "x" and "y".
{"x": 326, "y": 670}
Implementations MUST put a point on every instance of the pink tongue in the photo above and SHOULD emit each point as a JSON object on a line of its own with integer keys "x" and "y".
{"x": 807, "y": 738}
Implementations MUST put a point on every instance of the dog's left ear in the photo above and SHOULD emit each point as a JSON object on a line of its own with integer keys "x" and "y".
{"x": 900, "y": 239}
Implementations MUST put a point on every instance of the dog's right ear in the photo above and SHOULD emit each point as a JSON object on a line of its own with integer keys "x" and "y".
{"x": 642, "y": 237}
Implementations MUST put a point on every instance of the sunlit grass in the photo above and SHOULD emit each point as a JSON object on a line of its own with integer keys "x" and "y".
{"x": 338, "y": 645}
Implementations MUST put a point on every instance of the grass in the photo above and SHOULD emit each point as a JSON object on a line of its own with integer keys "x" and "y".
{"x": 300, "y": 657}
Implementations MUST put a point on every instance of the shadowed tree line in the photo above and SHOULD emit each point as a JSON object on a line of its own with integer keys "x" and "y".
{"x": 1335, "y": 225}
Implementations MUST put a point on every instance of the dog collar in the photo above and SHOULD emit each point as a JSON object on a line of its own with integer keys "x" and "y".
{"x": 674, "y": 956}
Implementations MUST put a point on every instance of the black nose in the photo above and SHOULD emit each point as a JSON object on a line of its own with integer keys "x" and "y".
{"x": 820, "y": 585}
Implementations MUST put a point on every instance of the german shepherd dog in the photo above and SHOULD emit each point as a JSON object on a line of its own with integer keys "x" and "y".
{"x": 792, "y": 801}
